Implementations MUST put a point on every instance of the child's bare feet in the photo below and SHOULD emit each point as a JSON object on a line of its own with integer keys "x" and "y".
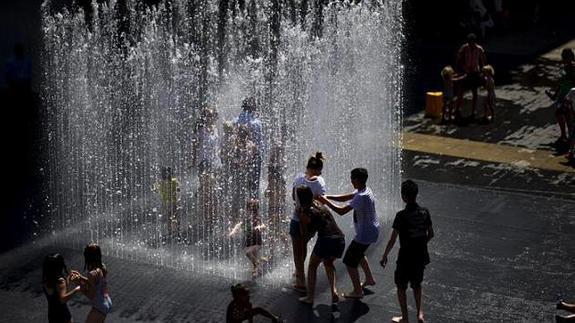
{"x": 367, "y": 283}
{"x": 353, "y": 295}
{"x": 306, "y": 299}
{"x": 420, "y": 318}
{"x": 399, "y": 319}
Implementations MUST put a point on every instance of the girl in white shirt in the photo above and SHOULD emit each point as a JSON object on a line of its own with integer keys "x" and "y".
{"x": 298, "y": 225}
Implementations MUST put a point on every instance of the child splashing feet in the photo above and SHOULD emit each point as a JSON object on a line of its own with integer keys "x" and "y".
{"x": 366, "y": 227}
{"x": 241, "y": 309}
{"x": 328, "y": 247}
{"x": 94, "y": 285}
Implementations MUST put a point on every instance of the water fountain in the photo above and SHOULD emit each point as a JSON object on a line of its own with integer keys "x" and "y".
{"x": 123, "y": 90}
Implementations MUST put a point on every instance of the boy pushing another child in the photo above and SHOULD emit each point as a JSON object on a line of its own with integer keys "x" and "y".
{"x": 414, "y": 228}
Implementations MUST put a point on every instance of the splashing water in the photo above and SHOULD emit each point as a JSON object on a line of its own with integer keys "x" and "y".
{"x": 123, "y": 88}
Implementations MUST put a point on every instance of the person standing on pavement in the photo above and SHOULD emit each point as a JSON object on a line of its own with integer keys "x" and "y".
{"x": 470, "y": 61}
{"x": 298, "y": 228}
{"x": 566, "y": 83}
{"x": 329, "y": 246}
{"x": 414, "y": 228}
{"x": 249, "y": 118}
{"x": 366, "y": 225}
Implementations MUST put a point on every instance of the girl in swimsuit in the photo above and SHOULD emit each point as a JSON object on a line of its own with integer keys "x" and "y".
{"x": 94, "y": 284}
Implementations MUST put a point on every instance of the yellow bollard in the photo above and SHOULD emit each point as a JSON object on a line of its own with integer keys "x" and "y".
{"x": 434, "y": 104}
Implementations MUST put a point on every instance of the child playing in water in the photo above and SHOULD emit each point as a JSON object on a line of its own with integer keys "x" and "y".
{"x": 241, "y": 309}
{"x": 55, "y": 281}
{"x": 168, "y": 188}
{"x": 253, "y": 234}
{"x": 450, "y": 87}
{"x": 276, "y": 193}
{"x": 489, "y": 84}
{"x": 94, "y": 284}
{"x": 366, "y": 224}
{"x": 329, "y": 246}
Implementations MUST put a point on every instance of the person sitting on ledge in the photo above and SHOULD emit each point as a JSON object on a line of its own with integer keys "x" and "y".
{"x": 241, "y": 309}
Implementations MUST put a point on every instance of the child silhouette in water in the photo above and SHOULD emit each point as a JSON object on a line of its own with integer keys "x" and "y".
{"x": 276, "y": 194}
{"x": 241, "y": 309}
{"x": 168, "y": 187}
{"x": 253, "y": 234}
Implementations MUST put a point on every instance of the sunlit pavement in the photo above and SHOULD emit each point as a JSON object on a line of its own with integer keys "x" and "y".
{"x": 515, "y": 152}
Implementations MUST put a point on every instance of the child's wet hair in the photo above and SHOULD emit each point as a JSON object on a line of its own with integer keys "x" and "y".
{"x": 304, "y": 195}
{"x": 359, "y": 174}
{"x": 239, "y": 290}
{"x": 166, "y": 172}
{"x": 249, "y": 104}
{"x": 447, "y": 72}
{"x": 93, "y": 257}
{"x": 488, "y": 69}
{"x": 53, "y": 268}
{"x": 409, "y": 189}
{"x": 316, "y": 162}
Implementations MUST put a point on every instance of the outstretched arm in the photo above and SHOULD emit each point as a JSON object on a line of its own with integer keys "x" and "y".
{"x": 264, "y": 312}
{"x": 63, "y": 294}
{"x": 390, "y": 244}
{"x": 341, "y": 210}
{"x": 340, "y": 197}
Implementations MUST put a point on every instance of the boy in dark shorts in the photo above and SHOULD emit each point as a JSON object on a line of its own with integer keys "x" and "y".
{"x": 414, "y": 228}
{"x": 329, "y": 245}
{"x": 366, "y": 225}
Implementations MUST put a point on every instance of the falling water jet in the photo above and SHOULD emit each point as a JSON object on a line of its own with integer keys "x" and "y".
{"x": 123, "y": 91}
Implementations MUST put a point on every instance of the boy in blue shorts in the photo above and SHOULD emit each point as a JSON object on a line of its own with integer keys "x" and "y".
{"x": 366, "y": 226}
{"x": 414, "y": 228}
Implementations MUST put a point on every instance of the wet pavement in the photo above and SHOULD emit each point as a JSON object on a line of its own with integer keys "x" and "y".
{"x": 497, "y": 256}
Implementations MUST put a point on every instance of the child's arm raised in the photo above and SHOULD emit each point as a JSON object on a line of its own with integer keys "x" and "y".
{"x": 390, "y": 244}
